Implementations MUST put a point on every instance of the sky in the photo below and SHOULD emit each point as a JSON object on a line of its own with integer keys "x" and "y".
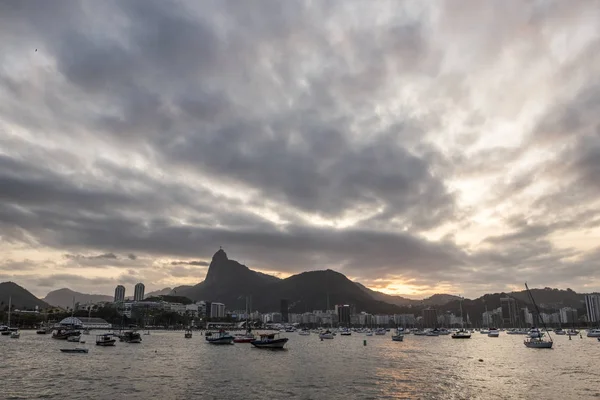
{"x": 417, "y": 147}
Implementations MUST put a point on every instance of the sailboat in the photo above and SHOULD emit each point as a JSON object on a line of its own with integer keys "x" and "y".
{"x": 538, "y": 342}
{"x": 8, "y": 330}
{"x": 461, "y": 333}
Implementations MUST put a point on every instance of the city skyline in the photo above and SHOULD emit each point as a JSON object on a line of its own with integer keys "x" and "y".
{"x": 416, "y": 147}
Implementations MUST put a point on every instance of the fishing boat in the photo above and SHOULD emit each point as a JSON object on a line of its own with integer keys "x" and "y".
{"x": 245, "y": 338}
{"x": 537, "y": 342}
{"x": 270, "y": 341}
{"x": 221, "y": 337}
{"x": 461, "y": 333}
{"x": 15, "y": 334}
{"x": 131, "y": 337}
{"x": 326, "y": 335}
{"x": 105, "y": 340}
{"x": 75, "y": 350}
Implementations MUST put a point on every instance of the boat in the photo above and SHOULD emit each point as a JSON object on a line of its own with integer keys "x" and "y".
{"x": 593, "y": 333}
{"x": 493, "y": 332}
{"x": 188, "y": 334}
{"x": 304, "y": 332}
{"x": 7, "y": 330}
{"x": 419, "y": 333}
{"x": 444, "y": 331}
{"x": 131, "y": 337}
{"x": 380, "y": 332}
{"x": 221, "y": 337}
{"x": 270, "y": 341}
{"x": 572, "y": 332}
{"x": 63, "y": 333}
{"x": 535, "y": 333}
{"x": 290, "y": 329}
{"x": 369, "y": 333}
{"x": 432, "y": 332}
{"x": 537, "y": 341}
{"x": 559, "y": 331}
{"x": 15, "y": 334}
{"x": 74, "y": 338}
{"x": 345, "y": 332}
{"x": 326, "y": 335}
{"x": 462, "y": 333}
{"x": 105, "y": 340}
{"x": 398, "y": 337}
{"x": 245, "y": 338}
{"x": 75, "y": 350}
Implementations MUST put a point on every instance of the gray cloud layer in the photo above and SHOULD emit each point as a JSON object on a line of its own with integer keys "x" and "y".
{"x": 301, "y": 136}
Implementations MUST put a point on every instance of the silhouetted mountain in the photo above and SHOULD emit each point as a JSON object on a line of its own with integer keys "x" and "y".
{"x": 161, "y": 292}
{"x": 439, "y": 299}
{"x": 178, "y": 289}
{"x": 64, "y": 298}
{"x": 391, "y": 299}
{"x": 21, "y": 298}
{"x": 229, "y": 282}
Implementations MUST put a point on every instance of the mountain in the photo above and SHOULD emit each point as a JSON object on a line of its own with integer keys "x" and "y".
{"x": 229, "y": 282}
{"x": 178, "y": 289}
{"x": 391, "y": 299}
{"x": 64, "y": 298}
{"x": 21, "y": 298}
{"x": 439, "y": 299}
{"x": 161, "y": 292}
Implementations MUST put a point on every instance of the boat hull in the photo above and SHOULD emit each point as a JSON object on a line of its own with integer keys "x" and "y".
{"x": 326, "y": 336}
{"x": 74, "y": 350}
{"x": 538, "y": 344}
{"x": 398, "y": 338}
{"x": 593, "y": 334}
{"x": 461, "y": 336}
{"x": 221, "y": 340}
{"x": 270, "y": 344}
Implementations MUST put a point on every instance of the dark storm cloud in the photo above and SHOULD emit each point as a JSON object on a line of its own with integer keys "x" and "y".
{"x": 109, "y": 256}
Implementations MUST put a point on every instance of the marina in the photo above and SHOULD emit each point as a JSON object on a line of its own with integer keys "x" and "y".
{"x": 169, "y": 366}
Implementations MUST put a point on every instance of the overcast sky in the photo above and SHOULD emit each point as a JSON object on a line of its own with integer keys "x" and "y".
{"x": 417, "y": 147}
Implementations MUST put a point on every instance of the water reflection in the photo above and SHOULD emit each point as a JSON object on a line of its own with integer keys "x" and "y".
{"x": 168, "y": 366}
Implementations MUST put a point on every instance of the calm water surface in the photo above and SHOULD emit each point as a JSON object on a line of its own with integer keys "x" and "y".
{"x": 167, "y": 366}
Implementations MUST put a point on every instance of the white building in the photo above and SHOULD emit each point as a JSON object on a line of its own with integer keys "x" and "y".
{"x": 404, "y": 320}
{"x": 176, "y": 307}
{"x": 192, "y": 309}
{"x": 592, "y": 306}
{"x": 381, "y": 320}
{"x": 568, "y": 315}
{"x": 86, "y": 323}
{"x": 217, "y": 310}
{"x": 138, "y": 294}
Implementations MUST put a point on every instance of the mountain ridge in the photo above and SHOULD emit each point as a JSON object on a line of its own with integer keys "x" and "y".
{"x": 64, "y": 298}
{"x": 20, "y": 297}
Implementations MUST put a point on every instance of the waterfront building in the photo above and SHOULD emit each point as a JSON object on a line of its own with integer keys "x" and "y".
{"x": 86, "y": 323}
{"x": 568, "y": 315}
{"x": 119, "y": 293}
{"x": 284, "y": 309}
{"x": 138, "y": 294}
{"x": 404, "y": 320}
{"x": 343, "y": 313}
{"x": 592, "y": 306}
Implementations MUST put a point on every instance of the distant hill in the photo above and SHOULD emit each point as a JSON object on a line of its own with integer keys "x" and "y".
{"x": 161, "y": 292}
{"x": 21, "y": 297}
{"x": 391, "y": 299}
{"x": 178, "y": 289}
{"x": 64, "y": 298}
{"x": 439, "y": 299}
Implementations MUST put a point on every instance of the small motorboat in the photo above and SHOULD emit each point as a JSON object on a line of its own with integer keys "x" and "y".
{"x": 270, "y": 341}
{"x": 461, "y": 334}
{"x": 188, "y": 334}
{"x": 369, "y": 333}
{"x": 398, "y": 337}
{"x": 105, "y": 340}
{"x": 559, "y": 331}
{"x": 419, "y": 333}
{"x": 593, "y": 333}
{"x": 221, "y": 337}
{"x": 131, "y": 337}
{"x": 433, "y": 332}
{"x": 326, "y": 335}
{"x": 15, "y": 334}
{"x": 380, "y": 332}
{"x": 304, "y": 332}
{"x": 74, "y": 339}
{"x": 75, "y": 350}
{"x": 64, "y": 333}
{"x": 493, "y": 332}
{"x": 345, "y": 332}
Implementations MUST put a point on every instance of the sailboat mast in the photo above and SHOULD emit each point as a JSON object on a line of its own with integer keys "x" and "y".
{"x": 462, "y": 321}
{"x": 537, "y": 310}
{"x": 9, "y": 309}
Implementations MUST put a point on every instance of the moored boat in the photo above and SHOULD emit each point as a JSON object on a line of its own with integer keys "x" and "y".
{"x": 493, "y": 332}
{"x": 535, "y": 339}
{"x": 75, "y": 350}
{"x": 131, "y": 337}
{"x": 304, "y": 332}
{"x": 593, "y": 333}
{"x": 64, "y": 333}
{"x": 105, "y": 340}
{"x": 398, "y": 337}
{"x": 326, "y": 335}
{"x": 270, "y": 341}
{"x": 188, "y": 334}
{"x": 221, "y": 337}
{"x": 245, "y": 338}
{"x": 15, "y": 334}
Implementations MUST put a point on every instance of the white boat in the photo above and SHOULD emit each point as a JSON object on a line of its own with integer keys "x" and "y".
{"x": 221, "y": 337}
{"x": 15, "y": 334}
{"x": 461, "y": 333}
{"x": 75, "y": 338}
{"x": 398, "y": 337}
{"x": 537, "y": 341}
{"x": 493, "y": 332}
{"x": 326, "y": 335}
{"x": 593, "y": 333}
{"x": 380, "y": 332}
{"x": 304, "y": 332}
{"x": 559, "y": 331}
{"x": 105, "y": 340}
{"x": 419, "y": 333}
{"x": 369, "y": 333}
{"x": 345, "y": 332}
{"x": 432, "y": 332}
{"x": 444, "y": 331}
